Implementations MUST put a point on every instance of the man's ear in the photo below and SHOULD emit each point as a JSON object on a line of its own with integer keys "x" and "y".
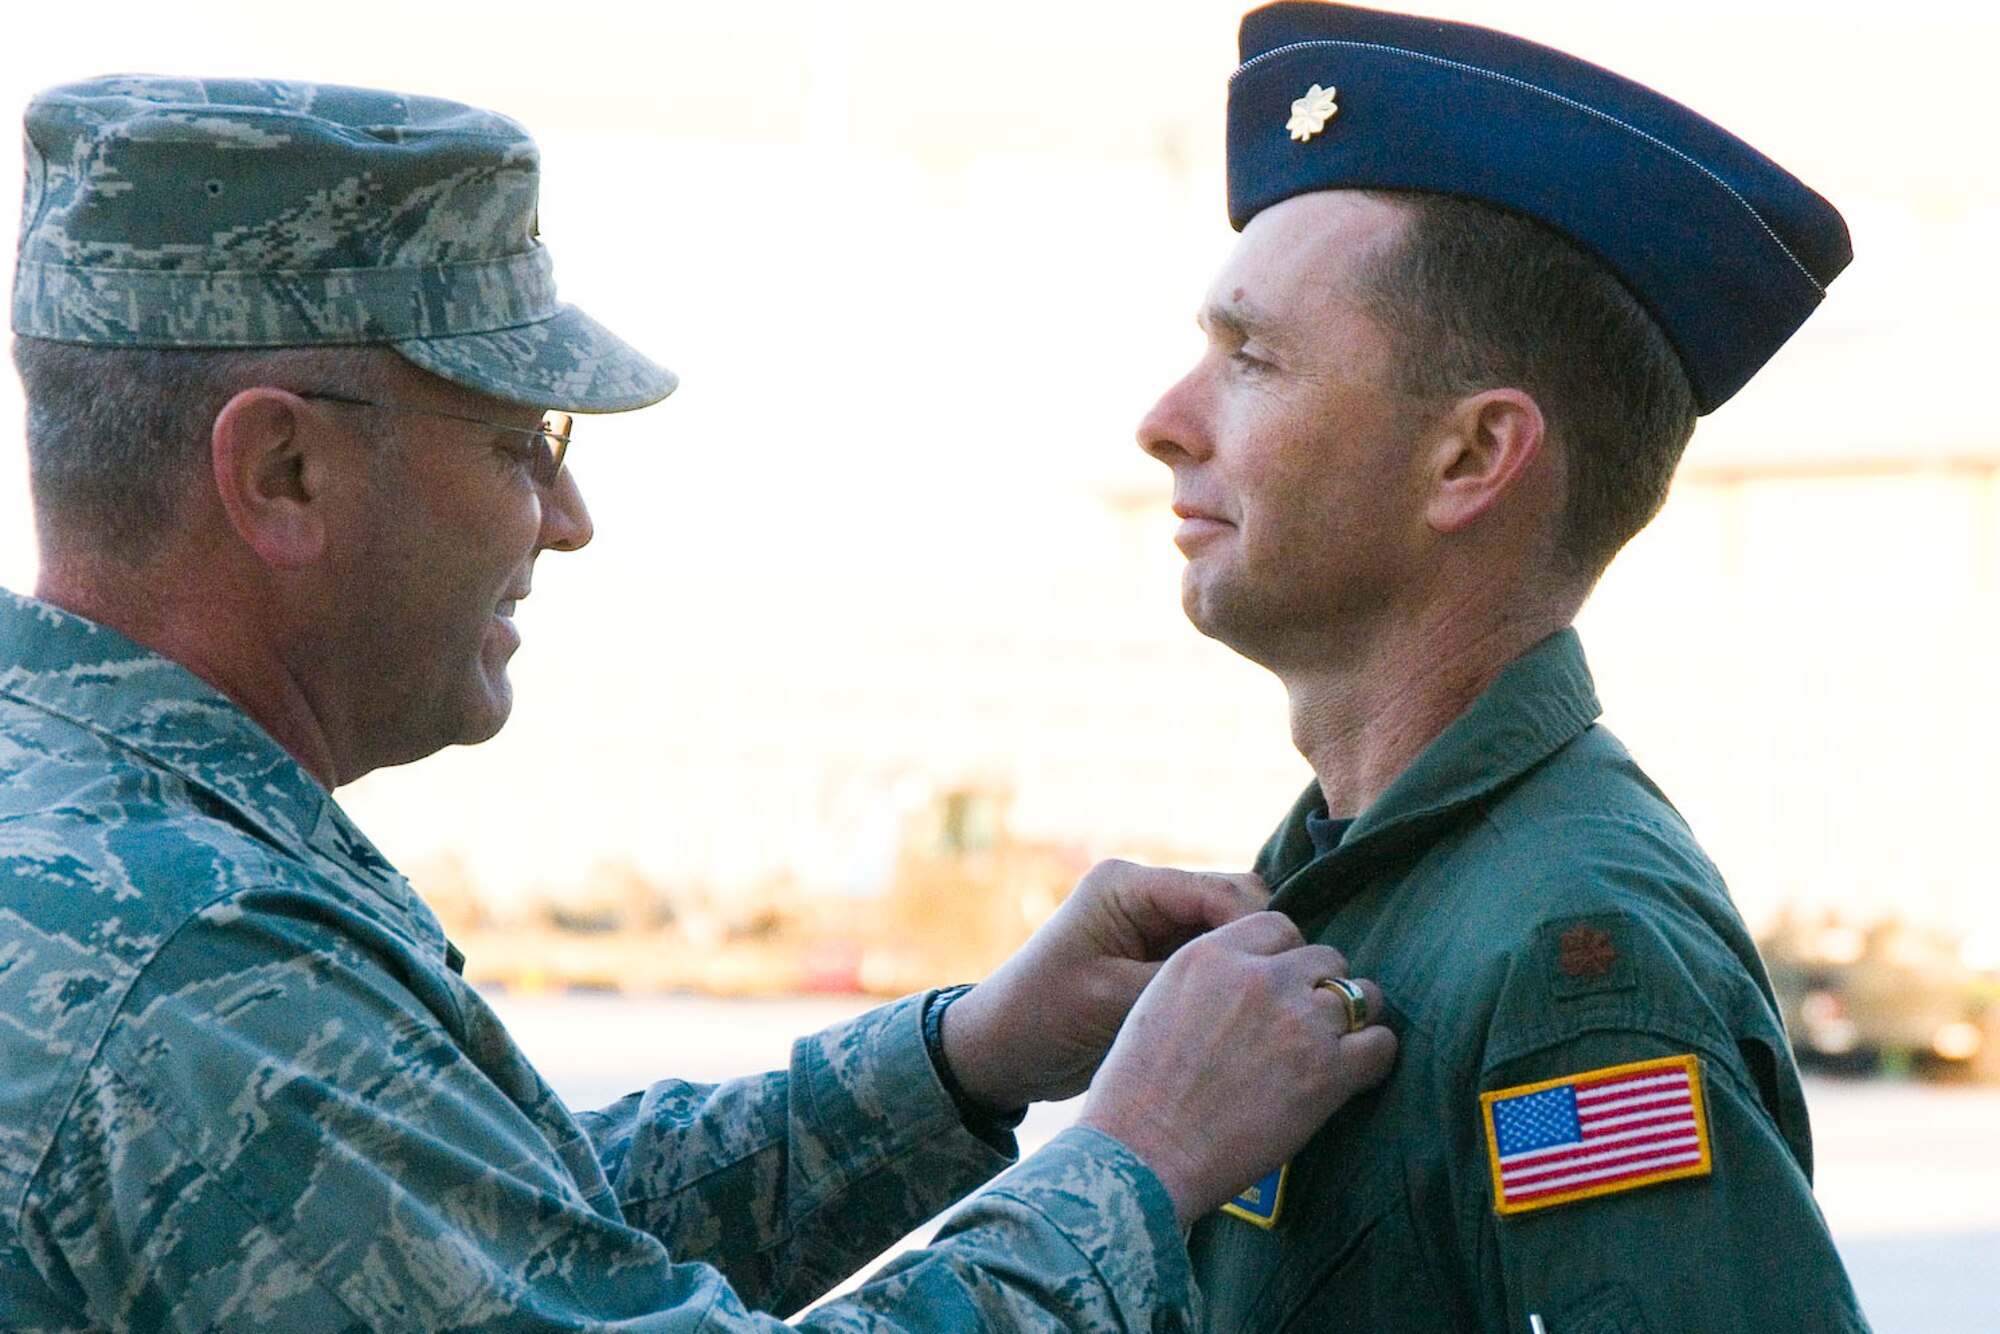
{"x": 1484, "y": 446}
{"x": 271, "y": 469}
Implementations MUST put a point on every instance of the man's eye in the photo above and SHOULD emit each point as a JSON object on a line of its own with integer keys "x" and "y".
{"x": 1244, "y": 359}
{"x": 534, "y": 457}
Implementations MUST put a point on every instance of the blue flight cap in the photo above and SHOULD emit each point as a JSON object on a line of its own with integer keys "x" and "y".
{"x": 1725, "y": 249}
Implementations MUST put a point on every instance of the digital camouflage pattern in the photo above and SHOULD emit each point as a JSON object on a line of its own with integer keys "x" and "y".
{"x": 236, "y": 213}
{"x": 1534, "y": 909}
{"x": 240, "y": 1089}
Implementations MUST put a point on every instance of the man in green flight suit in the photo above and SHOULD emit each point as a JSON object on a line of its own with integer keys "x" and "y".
{"x": 297, "y": 385}
{"x": 1482, "y": 292}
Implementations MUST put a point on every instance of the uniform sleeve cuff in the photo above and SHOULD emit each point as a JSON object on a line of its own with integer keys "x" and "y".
{"x": 874, "y": 1072}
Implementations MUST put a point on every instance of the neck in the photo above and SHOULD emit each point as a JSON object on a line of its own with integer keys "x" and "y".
{"x": 198, "y": 623}
{"x": 1361, "y": 717}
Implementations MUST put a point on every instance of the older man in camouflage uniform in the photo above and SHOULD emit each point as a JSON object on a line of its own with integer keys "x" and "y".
{"x": 287, "y": 352}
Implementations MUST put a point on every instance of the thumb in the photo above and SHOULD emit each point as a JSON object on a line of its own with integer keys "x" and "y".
{"x": 1168, "y": 907}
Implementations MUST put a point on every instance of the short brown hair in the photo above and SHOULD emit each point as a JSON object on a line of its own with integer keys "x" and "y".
{"x": 1474, "y": 297}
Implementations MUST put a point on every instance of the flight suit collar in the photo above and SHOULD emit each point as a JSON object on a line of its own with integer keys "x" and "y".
{"x": 1539, "y": 703}
{"x": 147, "y": 705}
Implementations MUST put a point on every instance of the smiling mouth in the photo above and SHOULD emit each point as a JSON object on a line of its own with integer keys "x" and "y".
{"x": 1194, "y": 518}
{"x": 1197, "y": 530}
{"x": 1189, "y": 514}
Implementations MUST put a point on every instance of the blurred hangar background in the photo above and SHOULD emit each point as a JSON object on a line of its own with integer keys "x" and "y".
{"x": 879, "y": 642}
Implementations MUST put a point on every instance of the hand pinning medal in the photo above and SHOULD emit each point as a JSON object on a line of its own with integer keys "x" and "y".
{"x": 1261, "y": 1202}
{"x": 1355, "y": 997}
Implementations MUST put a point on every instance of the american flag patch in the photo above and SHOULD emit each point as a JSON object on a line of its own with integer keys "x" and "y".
{"x": 1596, "y": 1133}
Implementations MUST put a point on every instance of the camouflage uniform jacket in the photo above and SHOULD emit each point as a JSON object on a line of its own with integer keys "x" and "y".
{"x": 240, "y": 1089}
{"x": 1537, "y": 912}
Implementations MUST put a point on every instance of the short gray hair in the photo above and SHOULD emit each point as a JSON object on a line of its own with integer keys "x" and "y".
{"x": 116, "y": 435}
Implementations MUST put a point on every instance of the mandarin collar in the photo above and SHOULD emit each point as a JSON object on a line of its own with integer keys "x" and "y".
{"x": 1539, "y": 703}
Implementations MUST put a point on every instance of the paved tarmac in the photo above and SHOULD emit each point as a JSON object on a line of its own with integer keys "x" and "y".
{"x": 1909, "y": 1177}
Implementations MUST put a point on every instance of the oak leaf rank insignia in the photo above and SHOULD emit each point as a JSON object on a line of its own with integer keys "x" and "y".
{"x": 1587, "y": 951}
{"x": 1311, "y": 113}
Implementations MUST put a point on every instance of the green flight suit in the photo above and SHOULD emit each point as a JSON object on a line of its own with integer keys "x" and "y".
{"x": 1534, "y": 909}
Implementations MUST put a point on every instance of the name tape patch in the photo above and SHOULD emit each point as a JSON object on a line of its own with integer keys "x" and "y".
{"x": 1596, "y": 1133}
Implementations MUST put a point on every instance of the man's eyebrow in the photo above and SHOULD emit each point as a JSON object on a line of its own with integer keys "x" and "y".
{"x": 1237, "y": 317}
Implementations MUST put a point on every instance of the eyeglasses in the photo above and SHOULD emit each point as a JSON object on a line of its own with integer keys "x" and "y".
{"x": 551, "y": 437}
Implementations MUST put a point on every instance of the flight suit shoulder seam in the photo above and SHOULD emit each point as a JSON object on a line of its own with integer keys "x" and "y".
{"x": 1715, "y": 1055}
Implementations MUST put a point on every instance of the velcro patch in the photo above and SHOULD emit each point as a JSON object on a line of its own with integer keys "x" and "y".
{"x": 1584, "y": 955}
{"x": 1596, "y": 1133}
{"x": 1260, "y": 1203}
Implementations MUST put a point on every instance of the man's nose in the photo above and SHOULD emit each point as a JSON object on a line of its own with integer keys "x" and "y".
{"x": 1172, "y": 431}
{"x": 566, "y": 524}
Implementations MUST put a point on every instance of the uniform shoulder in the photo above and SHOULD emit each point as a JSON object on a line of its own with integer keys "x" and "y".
{"x": 128, "y": 842}
{"x": 1589, "y": 830}
{"x": 104, "y": 862}
{"x": 1607, "y": 967}
{"x": 1580, "y": 901}
{"x": 1595, "y": 775}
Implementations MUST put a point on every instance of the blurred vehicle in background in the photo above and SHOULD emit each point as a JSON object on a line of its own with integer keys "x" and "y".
{"x": 1891, "y": 998}
{"x": 954, "y": 893}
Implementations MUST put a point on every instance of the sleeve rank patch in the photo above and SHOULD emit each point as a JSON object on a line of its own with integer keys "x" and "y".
{"x": 1260, "y": 1203}
{"x": 1596, "y": 1133}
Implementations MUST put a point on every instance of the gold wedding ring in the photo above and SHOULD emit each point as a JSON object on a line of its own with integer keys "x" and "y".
{"x": 1356, "y": 998}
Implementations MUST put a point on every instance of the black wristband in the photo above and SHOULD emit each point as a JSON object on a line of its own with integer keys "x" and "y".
{"x": 990, "y": 1124}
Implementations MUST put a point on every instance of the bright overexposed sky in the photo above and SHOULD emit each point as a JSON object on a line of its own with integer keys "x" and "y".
{"x": 755, "y": 195}
{"x": 921, "y": 267}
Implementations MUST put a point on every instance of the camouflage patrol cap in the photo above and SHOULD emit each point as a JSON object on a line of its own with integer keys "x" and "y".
{"x": 237, "y": 213}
